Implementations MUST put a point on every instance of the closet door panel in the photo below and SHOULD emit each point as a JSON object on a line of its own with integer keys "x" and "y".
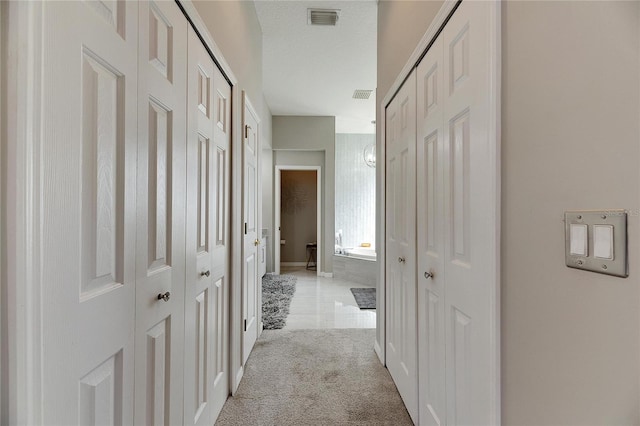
{"x": 401, "y": 240}
{"x": 471, "y": 225}
{"x": 161, "y": 184}
{"x": 87, "y": 236}
{"x": 207, "y": 240}
{"x": 431, "y": 237}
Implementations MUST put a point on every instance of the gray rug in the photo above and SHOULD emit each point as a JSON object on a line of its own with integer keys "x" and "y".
{"x": 277, "y": 292}
{"x": 365, "y": 297}
{"x": 315, "y": 377}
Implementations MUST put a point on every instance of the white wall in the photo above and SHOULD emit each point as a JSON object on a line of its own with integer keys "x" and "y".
{"x": 570, "y": 140}
{"x": 293, "y": 138}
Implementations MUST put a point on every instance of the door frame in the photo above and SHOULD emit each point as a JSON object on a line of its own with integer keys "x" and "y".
{"x": 495, "y": 31}
{"x": 248, "y": 106}
{"x": 277, "y": 206}
{"x": 21, "y": 229}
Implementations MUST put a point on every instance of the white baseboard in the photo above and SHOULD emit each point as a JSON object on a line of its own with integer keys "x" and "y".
{"x": 293, "y": 264}
{"x": 239, "y": 375}
{"x": 378, "y": 350}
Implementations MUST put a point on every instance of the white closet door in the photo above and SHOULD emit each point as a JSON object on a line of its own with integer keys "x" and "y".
{"x": 402, "y": 342}
{"x": 207, "y": 287}
{"x": 471, "y": 226}
{"x": 160, "y": 255}
{"x": 250, "y": 270}
{"x": 88, "y": 199}
{"x": 431, "y": 237}
{"x": 221, "y": 235}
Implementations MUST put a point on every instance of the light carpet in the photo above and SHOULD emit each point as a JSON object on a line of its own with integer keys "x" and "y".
{"x": 315, "y": 377}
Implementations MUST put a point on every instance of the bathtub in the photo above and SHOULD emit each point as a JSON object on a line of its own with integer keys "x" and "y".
{"x": 364, "y": 253}
{"x": 357, "y": 265}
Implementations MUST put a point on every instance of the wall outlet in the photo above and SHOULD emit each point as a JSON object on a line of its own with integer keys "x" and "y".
{"x": 283, "y": 242}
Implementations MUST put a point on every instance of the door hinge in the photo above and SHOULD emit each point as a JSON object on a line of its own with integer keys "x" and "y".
{"x": 245, "y": 228}
{"x": 245, "y": 325}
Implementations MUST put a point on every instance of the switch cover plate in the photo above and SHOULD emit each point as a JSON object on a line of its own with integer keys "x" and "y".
{"x": 596, "y": 222}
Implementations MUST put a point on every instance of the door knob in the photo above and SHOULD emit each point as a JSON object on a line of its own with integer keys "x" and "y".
{"x": 428, "y": 275}
{"x": 401, "y": 260}
{"x": 164, "y": 296}
{"x": 205, "y": 273}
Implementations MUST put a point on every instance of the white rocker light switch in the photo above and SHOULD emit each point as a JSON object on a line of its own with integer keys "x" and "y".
{"x": 603, "y": 241}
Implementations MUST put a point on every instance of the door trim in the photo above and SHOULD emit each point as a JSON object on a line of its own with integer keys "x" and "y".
{"x": 277, "y": 206}
{"x": 20, "y": 265}
{"x": 495, "y": 32}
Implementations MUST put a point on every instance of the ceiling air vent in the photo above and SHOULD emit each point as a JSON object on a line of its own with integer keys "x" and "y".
{"x": 362, "y": 94}
{"x": 322, "y": 16}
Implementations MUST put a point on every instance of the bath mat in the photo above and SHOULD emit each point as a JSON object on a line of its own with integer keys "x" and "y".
{"x": 277, "y": 292}
{"x": 365, "y": 297}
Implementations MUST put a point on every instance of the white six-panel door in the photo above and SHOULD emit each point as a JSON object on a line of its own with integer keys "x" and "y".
{"x": 401, "y": 335}
{"x": 161, "y": 184}
{"x": 431, "y": 237}
{"x": 206, "y": 363}
{"x": 135, "y": 204}
{"x": 457, "y": 223}
{"x": 250, "y": 284}
{"x": 88, "y": 247}
{"x": 471, "y": 224}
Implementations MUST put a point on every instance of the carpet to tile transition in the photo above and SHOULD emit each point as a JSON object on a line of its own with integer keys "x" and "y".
{"x": 315, "y": 377}
{"x": 277, "y": 292}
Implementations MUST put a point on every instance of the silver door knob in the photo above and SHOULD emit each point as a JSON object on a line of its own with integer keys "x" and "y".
{"x": 205, "y": 273}
{"x": 401, "y": 260}
{"x": 164, "y": 296}
{"x": 428, "y": 275}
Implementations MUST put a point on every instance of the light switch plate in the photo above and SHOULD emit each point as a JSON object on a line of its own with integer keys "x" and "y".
{"x": 618, "y": 266}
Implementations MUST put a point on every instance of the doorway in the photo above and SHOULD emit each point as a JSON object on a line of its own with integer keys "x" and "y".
{"x": 298, "y": 189}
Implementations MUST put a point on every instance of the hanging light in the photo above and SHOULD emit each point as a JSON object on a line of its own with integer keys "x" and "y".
{"x": 369, "y": 155}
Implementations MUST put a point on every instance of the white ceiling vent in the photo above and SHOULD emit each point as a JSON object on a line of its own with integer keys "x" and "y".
{"x": 322, "y": 16}
{"x": 362, "y": 94}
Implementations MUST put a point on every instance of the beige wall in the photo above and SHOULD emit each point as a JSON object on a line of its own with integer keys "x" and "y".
{"x": 236, "y": 30}
{"x": 295, "y": 138}
{"x": 401, "y": 25}
{"x": 298, "y": 215}
{"x": 570, "y": 140}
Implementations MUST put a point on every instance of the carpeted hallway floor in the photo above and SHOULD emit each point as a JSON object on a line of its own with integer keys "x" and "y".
{"x": 315, "y": 377}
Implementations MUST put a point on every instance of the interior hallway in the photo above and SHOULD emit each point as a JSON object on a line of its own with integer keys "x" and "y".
{"x": 321, "y": 368}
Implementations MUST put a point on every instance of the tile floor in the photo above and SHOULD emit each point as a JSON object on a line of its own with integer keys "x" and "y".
{"x": 325, "y": 303}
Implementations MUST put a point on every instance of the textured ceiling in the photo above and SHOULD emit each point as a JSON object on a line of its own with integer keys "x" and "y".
{"x": 314, "y": 70}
